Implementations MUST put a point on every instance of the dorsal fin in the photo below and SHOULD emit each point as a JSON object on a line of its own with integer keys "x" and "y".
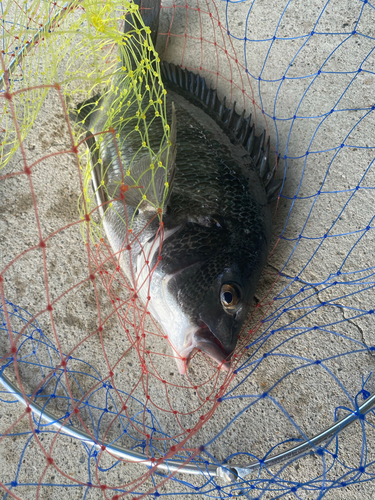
{"x": 239, "y": 129}
{"x": 153, "y": 181}
{"x": 193, "y": 87}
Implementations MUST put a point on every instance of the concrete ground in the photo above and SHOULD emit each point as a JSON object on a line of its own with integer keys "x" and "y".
{"x": 322, "y": 295}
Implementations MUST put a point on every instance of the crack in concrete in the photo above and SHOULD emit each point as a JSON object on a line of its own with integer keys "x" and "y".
{"x": 372, "y": 354}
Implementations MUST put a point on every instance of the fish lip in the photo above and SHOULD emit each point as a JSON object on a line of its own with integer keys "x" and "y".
{"x": 204, "y": 340}
{"x": 207, "y": 342}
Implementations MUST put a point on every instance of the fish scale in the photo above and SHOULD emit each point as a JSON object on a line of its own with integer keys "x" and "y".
{"x": 216, "y": 220}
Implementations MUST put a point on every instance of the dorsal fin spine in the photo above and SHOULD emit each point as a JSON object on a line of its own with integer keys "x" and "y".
{"x": 238, "y": 128}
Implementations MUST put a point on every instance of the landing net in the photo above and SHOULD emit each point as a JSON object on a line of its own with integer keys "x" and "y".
{"x": 75, "y": 338}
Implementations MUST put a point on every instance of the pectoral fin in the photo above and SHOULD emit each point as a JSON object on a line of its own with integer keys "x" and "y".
{"x": 157, "y": 182}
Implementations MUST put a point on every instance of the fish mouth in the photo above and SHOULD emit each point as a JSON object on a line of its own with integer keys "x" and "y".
{"x": 205, "y": 341}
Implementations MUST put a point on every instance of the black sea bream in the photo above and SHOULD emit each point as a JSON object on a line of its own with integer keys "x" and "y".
{"x": 216, "y": 220}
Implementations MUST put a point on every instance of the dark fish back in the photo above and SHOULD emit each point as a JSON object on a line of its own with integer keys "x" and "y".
{"x": 219, "y": 201}
{"x": 193, "y": 87}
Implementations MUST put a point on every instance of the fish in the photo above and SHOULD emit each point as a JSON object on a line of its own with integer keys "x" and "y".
{"x": 196, "y": 263}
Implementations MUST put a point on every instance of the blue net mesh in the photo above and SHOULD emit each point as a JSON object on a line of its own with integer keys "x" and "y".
{"x": 305, "y": 360}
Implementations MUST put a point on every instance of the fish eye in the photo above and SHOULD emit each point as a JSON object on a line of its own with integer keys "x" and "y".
{"x": 229, "y": 296}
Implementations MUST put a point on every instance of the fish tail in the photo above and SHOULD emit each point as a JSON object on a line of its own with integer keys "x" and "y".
{"x": 150, "y": 12}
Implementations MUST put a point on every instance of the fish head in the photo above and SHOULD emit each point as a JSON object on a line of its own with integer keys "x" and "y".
{"x": 202, "y": 310}
{"x": 220, "y": 317}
